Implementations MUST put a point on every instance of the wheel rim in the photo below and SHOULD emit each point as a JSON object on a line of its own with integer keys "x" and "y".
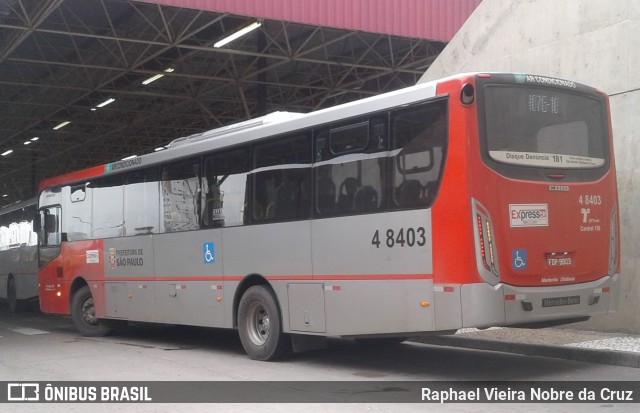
{"x": 88, "y": 311}
{"x": 259, "y": 325}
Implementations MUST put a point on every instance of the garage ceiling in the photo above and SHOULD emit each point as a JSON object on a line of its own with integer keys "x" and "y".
{"x": 60, "y": 59}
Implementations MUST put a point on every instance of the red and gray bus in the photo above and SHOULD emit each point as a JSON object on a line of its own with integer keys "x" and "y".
{"x": 472, "y": 201}
{"x": 18, "y": 254}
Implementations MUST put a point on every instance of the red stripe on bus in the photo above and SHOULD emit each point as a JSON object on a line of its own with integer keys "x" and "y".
{"x": 373, "y": 277}
{"x": 346, "y": 277}
{"x": 72, "y": 177}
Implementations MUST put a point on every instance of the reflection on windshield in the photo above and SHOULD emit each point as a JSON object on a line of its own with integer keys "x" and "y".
{"x": 548, "y": 128}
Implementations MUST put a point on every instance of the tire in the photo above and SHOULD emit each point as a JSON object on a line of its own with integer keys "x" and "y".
{"x": 260, "y": 325}
{"x": 83, "y": 314}
{"x": 15, "y": 305}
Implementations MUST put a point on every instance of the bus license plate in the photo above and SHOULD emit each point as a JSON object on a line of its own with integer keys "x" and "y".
{"x": 556, "y": 260}
{"x": 560, "y": 301}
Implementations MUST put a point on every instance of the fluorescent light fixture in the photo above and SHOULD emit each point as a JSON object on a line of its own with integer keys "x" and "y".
{"x": 162, "y": 148}
{"x": 237, "y": 34}
{"x": 7, "y": 152}
{"x": 156, "y": 77}
{"x": 4, "y": 195}
{"x": 106, "y": 102}
{"x": 129, "y": 157}
{"x": 61, "y": 125}
{"x": 32, "y": 140}
{"x": 152, "y": 79}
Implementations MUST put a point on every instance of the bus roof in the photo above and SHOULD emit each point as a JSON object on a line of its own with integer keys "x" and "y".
{"x": 274, "y": 117}
{"x": 274, "y": 124}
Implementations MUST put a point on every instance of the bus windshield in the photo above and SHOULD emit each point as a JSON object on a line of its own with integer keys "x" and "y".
{"x": 541, "y": 127}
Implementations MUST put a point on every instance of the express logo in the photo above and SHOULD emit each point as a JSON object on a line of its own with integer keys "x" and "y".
{"x": 529, "y": 215}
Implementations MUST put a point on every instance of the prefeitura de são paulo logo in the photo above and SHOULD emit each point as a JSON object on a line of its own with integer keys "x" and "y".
{"x": 112, "y": 258}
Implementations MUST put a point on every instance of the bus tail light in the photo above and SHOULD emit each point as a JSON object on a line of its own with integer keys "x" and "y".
{"x": 613, "y": 241}
{"x": 487, "y": 244}
{"x": 486, "y": 252}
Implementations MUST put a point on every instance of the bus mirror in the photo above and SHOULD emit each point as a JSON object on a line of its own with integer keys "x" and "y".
{"x": 50, "y": 223}
{"x": 37, "y": 224}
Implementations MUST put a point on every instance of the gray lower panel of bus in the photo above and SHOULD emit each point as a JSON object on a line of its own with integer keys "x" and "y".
{"x": 484, "y": 305}
{"x": 341, "y": 276}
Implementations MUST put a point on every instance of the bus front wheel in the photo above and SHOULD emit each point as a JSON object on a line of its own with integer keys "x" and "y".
{"x": 259, "y": 325}
{"x": 83, "y": 314}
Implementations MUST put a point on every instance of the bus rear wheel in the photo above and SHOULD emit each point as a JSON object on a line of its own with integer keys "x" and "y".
{"x": 259, "y": 325}
{"x": 83, "y": 314}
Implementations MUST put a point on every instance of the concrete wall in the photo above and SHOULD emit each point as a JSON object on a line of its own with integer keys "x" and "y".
{"x": 596, "y": 42}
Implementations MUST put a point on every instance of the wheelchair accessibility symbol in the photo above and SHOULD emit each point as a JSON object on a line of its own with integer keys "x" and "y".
{"x": 209, "y": 253}
{"x": 519, "y": 259}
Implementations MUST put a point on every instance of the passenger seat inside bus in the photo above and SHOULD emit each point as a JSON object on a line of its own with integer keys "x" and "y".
{"x": 355, "y": 198}
{"x": 346, "y": 194}
{"x": 365, "y": 199}
{"x": 410, "y": 194}
{"x": 326, "y": 195}
{"x": 286, "y": 202}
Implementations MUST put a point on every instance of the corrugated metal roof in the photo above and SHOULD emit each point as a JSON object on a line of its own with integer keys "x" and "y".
{"x": 429, "y": 19}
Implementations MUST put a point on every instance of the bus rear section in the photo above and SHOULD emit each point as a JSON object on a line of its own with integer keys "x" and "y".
{"x": 543, "y": 202}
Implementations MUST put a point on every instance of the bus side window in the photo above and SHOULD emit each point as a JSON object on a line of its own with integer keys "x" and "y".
{"x": 17, "y": 228}
{"x": 350, "y": 166}
{"x": 78, "y": 193}
{"x": 418, "y": 148}
{"x": 78, "y": 212}
{"x": 142, "y": 202}
{"x": 49, "y": 228}
{"x": 224, "y": 186}
{"x": 180, "y": 196}
{"x": 282, "y": 178}
{"x": 108, "y": 220}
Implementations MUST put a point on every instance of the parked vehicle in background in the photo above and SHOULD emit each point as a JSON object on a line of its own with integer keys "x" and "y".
{"x": 18, "y": 254}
